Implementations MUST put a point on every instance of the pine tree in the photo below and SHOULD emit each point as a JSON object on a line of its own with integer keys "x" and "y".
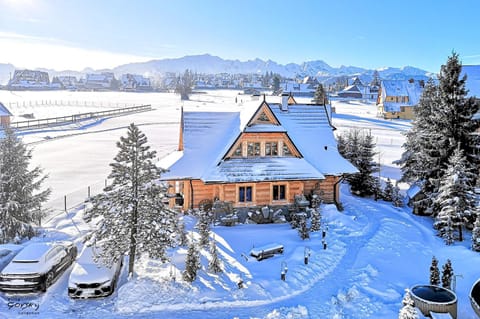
{"x": 476, "y": 234}
{"x": 192, "y": 262}
{"x": 21, "y": 195}
{"x": 316, "y": 220}
{"x": 214, "y": 264}
{"x": 358, "y": 148}
{"x": 203, "y": 227}
{"x": 276, "y": 84}
{"x": 447, "y": 274}
{"x": 397, "y": 198}
{"x": 184, "y": 85}
{"x": 388, "y": 191}
{"x": 456, "y": 198}
{"x": 320, "y": 96}
{"x": 443, "y": 120}
{"x": 303, "y": 230}
{"x": 130, "y": 215}
{"x": 181, "y": 232}
{"x": 408, "y": 310}
{"x": 434, "y": 272}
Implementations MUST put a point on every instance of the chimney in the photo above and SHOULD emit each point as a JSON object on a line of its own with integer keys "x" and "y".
{"x": 284, "y": 106}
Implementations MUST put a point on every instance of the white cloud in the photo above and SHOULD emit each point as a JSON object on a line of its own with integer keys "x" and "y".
{"x": 35, "y": 52}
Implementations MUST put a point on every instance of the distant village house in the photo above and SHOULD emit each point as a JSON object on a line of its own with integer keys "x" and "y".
{"x": 397, "y": 98}
{"x": 4, "y": 116}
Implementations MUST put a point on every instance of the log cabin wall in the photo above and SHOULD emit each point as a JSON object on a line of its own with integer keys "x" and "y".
{"x": 195, "y": 191}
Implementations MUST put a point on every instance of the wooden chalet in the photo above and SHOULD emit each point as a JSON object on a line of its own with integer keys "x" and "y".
{"x": 4, "y": 116}
{"x": 256, "y": 157}
{"x": 397, "y": 98}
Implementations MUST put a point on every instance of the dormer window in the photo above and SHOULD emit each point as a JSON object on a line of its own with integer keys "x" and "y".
{"x": 271, "y": 149}
{"x": 286, "y": 151}
{"x": 253, "y": 149}
{"x": 238, "y": 151}
{"x": 263, "y": 118}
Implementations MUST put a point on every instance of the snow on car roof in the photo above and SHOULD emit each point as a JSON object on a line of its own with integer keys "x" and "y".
{"x": 34, "y": 251}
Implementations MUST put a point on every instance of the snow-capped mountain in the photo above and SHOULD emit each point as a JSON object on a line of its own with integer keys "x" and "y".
{"x": 210, "y": 64}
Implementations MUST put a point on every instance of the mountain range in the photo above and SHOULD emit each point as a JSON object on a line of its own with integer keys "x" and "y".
{"x": 210, "y": 64}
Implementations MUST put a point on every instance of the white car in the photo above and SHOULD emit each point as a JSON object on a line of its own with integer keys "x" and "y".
{"x": 7, "y": 252}
{"x": 37, "y": 266}
{"x": 90, "y": 279}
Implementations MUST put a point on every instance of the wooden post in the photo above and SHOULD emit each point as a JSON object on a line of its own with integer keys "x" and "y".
{"x": 65, "y": 202}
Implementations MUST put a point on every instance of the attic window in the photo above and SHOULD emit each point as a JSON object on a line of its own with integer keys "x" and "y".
{"x": 263, "y": 118}
{"x": 286, "y": 151}
{"x": 253, "y": 149}
{"x": 238, "y": 151}
{"x": 271, "y": 149}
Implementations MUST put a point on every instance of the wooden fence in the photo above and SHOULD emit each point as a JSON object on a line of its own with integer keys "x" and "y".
{"x": 61, "y": 120}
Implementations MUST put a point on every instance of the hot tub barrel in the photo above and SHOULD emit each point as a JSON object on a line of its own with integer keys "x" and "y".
{"x": 430, "y": 298}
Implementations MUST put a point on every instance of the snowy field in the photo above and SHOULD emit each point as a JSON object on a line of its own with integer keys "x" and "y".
{"x": 374, "y": 250}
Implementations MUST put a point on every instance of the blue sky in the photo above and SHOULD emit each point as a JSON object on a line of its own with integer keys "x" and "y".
{"x": 73, "y": 34}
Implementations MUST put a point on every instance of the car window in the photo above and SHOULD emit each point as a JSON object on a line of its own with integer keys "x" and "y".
{"x": 4, "y": 252}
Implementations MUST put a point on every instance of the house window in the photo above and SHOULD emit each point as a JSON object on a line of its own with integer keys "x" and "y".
{"x": 253, "y": 149}
{"x": 286, "y": 151}
{"x": 263, "y": 118}
{"x": 271, "y": 149}
{"x": 245, "y": 194}
{"x": 278, "y": 192}
{"x": 238, "y": 151}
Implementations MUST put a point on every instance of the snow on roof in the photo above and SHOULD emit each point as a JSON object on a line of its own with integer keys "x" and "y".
{"x": 310, "y": 130}
{"x": 206, "y": 136}
{"x": 258, "y": 169}
{"x": 209, "y": 135}
{"x": 4, "y": 111}
{"x": 414, "y": 190}
{"x": 473, "y": 79}
{"x": 351, "y": 88}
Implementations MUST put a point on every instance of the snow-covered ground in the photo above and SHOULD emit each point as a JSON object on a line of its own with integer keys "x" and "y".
{"x": 374, "y": 250}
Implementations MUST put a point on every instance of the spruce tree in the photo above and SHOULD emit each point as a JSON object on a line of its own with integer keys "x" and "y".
{"x": 203, "y": 227}
{"x": 130, "y": 215}
{"x": 408, "y": 310}
{"x": 434, "y": 272}
{"x": 21, "y": 194}
{"x": 320, "y": 96}
{"x": 447, "y": 274}
{"x": 184, "y": 85}
{"x": 303, "y": 230}
{"x": 388, "y": 191}
{"x": 443, "y": 120}
{"x": 214, "y": 264}
{"x": 456, "y": 198}
{"x": 397, "y": 198}
{"x": 181, "y": 233}
{"x": 476, "y": 234}
{"x": 358, "y": 148}
{"x": 192, "y": 262}
{"x": 316, "y": 219}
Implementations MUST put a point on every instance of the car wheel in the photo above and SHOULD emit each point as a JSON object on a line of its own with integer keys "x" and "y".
{"x": 48, "y": 281}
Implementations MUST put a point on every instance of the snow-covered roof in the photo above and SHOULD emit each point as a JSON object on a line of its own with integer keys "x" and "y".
{"x": 207, "y": 137}
{"x": 4, "y": 111}
{"x": 473, "y": 79}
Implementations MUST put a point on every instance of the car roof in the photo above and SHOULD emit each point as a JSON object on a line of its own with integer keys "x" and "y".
{"x": 35, "y": 251}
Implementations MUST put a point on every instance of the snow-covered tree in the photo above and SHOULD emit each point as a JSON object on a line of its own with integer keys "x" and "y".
{"x": 408, "y": 310}
{"x": 443, "y": 120}
{"x": 184, "y": 85}
{"x": 397, "y": 198}
{"x": 447, "y": 274}
{"x": 203, "y": 227}
{"x": 320, "y": 96}
{"x": 130, "y": 215}
{"x": 358, "y": 148}
{"x": 192, "y": 262}
{"x": 303, "y": 230}
{"x": 214, "y": 264}
{"x": 316, "y": 220}
{"x": 21, "y": 194}
{"x": 434, "y": 272}
{"x": 388, "y": 191}
{"x": 181, "y": 233}
{"x": 476, "y": 234}
{"x": 456, "y": 198}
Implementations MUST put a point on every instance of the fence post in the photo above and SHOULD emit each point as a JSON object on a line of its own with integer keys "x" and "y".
{"x": 65, "y": 202}
{"x": 88, "y": 191}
